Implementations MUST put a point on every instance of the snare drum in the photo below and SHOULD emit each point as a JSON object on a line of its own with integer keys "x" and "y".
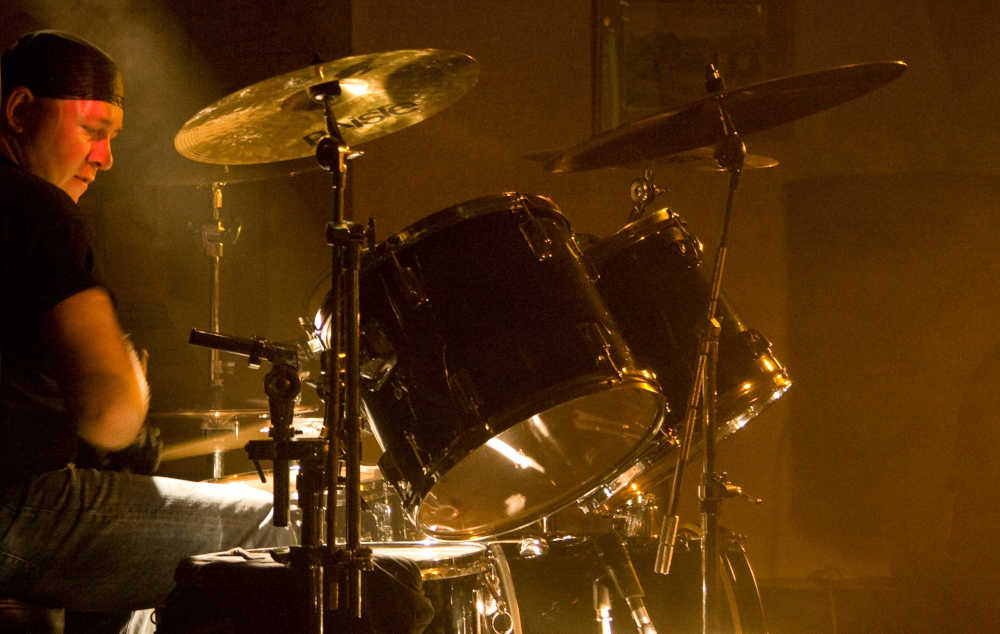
{"x": 651, "y": 277}
{"x": 382, "y": 518}
{"x": 468, "y": 583}
{"x": 494, "y": 377}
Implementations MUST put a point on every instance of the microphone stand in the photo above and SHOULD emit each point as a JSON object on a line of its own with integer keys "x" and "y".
{"x": 282, "y": 386}
{"x": 713, "y": 488}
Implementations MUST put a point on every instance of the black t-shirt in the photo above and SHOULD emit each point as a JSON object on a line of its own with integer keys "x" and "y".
{"x": 45, "y": 257}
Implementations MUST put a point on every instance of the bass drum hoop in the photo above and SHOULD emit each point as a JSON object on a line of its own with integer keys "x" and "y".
{"x": 568, "y": 392}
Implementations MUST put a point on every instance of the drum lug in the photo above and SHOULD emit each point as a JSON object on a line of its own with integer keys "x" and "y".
{"x": 380, "y": 360}
{"x": 586, "y": 263}
{"x": 532, "y": 547}
{"x": 498, "y": 583}
{"x": 536, "y": 236}
{"x": 464, "y": 391}
{"x": 412, "y": 441}
{"x": 758, "y": 344}
{"x": 408, "y": 280}
{"x": 375, "y": 372}
{"x": 669, "y": 435}
{"x": 689, "y": 245}
{"x": 597, "y": 333}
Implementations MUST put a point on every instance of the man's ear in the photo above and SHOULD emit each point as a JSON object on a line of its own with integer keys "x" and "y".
{"x": 19, "y": 109}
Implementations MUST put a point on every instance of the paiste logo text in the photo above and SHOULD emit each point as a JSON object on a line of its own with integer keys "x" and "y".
{"x": 372, "y": 117}
{"x": 379, "y": 115}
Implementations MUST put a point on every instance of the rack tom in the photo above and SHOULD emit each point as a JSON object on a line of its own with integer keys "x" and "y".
{"x": 493, "y": 375}
{"x": 651, "y": 276}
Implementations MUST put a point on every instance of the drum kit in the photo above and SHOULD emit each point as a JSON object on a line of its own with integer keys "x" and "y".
{"x": 526, "y": 388}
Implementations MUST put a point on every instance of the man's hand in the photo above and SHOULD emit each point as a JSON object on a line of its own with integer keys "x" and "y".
{"x": 142, "y": 456}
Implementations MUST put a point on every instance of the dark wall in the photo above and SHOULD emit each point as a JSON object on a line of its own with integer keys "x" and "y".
{"x": 865, "y": 256}
{"x": 892, "y": 301}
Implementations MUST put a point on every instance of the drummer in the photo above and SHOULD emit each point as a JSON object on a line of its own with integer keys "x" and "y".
{"x": 84, "y": 539}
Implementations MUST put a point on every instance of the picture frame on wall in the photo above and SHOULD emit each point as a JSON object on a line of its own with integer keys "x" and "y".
{"x": 650, "y": 55}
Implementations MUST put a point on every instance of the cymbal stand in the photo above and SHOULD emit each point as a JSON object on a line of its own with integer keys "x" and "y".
{"x": 713, "y": 488}
{"x": 343, "y": 414}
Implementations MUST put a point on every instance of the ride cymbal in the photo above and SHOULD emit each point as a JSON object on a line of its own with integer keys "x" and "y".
{"x": 278, "y": 119}
{"x": 753, "y": 108}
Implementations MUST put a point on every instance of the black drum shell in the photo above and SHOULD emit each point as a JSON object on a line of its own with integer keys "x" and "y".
{"x": 650, "y": 274}
{"x": 473, "y": 319}
{"x": 555, "y": 590}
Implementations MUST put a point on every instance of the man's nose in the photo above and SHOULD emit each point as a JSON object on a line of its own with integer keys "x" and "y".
{"x": 100, "y": 154}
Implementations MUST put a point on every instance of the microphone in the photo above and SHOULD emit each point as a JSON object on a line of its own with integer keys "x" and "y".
{"x": 666, "y": 545}
{"x": 255, "y": 348}
{"x": 615, "y": 558}
{"x": 602, "y": 605}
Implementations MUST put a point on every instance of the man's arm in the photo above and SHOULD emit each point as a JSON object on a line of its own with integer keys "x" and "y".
{"x": 97, "y": 369}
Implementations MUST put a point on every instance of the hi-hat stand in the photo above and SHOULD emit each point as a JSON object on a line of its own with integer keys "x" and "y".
{"x": 214, "y": 237}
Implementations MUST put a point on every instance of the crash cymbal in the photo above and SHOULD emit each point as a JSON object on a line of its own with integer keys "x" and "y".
{"x": 699, "y": 159}
{"x": 225, "y": 414}
{"x": 705, "y": 160}
{"x": 277, "y": 119}
{"x": 369, "y": 475}
{"x": 753, "y": 108}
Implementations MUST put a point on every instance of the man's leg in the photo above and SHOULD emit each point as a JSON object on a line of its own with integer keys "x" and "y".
{"x": 106, "y": 541}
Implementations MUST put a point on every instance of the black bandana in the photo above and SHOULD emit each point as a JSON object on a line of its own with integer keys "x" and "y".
{"x": 61, "y": 66}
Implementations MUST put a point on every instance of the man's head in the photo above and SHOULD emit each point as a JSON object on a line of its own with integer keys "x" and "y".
{"x": 62, "y": 103}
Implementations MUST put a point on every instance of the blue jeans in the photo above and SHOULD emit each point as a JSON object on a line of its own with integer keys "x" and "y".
{"x": 104, "y": 541}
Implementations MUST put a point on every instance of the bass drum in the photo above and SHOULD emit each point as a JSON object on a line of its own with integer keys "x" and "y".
{"x": 493, "y": 376}
{"x": 650, "y": 274}
{"x": 556, "y": 588}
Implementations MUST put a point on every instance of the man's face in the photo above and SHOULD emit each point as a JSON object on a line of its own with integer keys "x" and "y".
{"x": 70, "y": 141}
